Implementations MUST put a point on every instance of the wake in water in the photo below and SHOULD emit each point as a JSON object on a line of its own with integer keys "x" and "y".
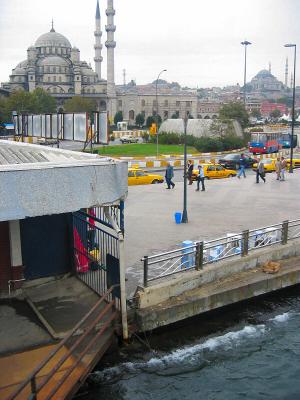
{"x": 195, "y": 355}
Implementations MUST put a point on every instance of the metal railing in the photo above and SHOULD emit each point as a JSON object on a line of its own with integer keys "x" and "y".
{"x": 95, "y": 243}
{"x": 77, "y": 344}
{"x": 201, "y": 253}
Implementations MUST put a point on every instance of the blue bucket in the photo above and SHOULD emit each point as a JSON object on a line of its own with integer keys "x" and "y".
{"x": 177, "y": 216}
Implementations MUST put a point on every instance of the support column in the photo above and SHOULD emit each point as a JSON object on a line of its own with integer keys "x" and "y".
{"x": 17, "y": 275}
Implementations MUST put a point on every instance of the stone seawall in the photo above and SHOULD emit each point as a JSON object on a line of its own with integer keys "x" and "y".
{"x": 217, "y": 285}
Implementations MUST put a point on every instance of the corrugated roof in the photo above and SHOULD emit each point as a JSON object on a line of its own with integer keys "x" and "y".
{"x": 12, "y": 153}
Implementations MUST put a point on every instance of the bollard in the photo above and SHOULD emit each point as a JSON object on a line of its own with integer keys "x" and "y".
{"x": 199, "y": 255}
{"x": 284, "y": 232}
{"x": 245, "y": 243}
{"x": 145, "y": 271}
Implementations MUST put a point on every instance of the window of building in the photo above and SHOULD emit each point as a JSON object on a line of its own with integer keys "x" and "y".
{"x": 78, "y": 78}
{"x": 54, "y": 69}
{"x": 131, "y": 114}
{"x": 188, "y": 103}
{"x": 166, "y": 103}
{"x": 120, "y": 103}
{"x": 143, "y": 103}
{"x": 88, "y": 79}
{"x": 48, "y": 78}
{"x": 54, "y": 78}
{"x": 178, "y": 104}
{"x": 154, "y": 103}
{"x": 59, "y": 79}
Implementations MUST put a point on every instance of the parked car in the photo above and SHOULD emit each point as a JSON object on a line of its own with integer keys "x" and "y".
{"x": 129, "y": 139}
{"x": 138, "y": 176}
{"x": 232, "y": 161}
{"x": 214, "y": 171}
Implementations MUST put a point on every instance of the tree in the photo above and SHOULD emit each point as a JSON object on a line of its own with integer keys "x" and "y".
{"x": 234, "y": 110}
{"x": 118, "y": 117}
{"x": 80, "y": 104}
{"x": 44, "y": 103}
{"x": 21, "y": 102}
{"x": 140, "y": 120}
{"x": 256, "y": 114}
{"x": 275, "y": 113}
{"x": 152, "y": 120}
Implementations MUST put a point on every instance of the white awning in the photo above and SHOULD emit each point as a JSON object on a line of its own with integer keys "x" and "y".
{"x": 36, "y": 181}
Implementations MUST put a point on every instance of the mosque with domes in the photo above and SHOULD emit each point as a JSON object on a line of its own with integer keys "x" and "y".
{"x": 55, "y": 66}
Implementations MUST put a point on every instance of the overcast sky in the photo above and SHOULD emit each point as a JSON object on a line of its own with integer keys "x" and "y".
{"x": 197, "y": 41}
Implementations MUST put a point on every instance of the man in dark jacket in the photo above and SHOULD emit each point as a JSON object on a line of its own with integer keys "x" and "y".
{"x": 169, "y": 175}
{"x": 242, "y": 163}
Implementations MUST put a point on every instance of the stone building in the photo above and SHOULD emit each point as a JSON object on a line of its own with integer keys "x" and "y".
{"x": 54, "y": 65}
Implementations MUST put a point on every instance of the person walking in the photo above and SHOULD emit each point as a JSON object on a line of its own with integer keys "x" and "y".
{"x": 278, "y": 168}
{"x": 242, "y": 163}
{"x": 200, "y": 178}
{"x": 260, "y": 171}
{"x": 169, "y": 175}
{"x": 190, "y": 171}
{"x": 283, "y": 168}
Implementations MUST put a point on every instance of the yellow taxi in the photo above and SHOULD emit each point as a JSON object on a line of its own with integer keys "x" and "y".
{"x": 138, "y": 176}
{"x": 214, "y": 171}
{"x": 269, "y": 164}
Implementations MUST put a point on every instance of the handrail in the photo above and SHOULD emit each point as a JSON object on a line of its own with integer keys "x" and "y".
{"x": 61, "y": 344}
{"x": 200, "y": 249}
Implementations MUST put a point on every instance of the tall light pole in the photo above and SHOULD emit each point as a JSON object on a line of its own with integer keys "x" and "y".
{"x": 184, "y": 218}
{"x": 245, "y": 43}
{"x": 293, "y": 108}
{"x": 164, "y": 70}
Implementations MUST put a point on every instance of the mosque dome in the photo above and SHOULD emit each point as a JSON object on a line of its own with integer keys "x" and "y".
{"x": 264, "y": 73}
{"x": 20, "y": 68}
{"x": 52, "y": 39}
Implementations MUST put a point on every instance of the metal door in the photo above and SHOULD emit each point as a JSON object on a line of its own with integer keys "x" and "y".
{"x": 46, "y": 245}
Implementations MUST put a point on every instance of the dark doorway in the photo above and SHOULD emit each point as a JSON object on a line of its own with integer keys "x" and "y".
{"x": 4, "y": 256}
{"x": 46, "y": 245}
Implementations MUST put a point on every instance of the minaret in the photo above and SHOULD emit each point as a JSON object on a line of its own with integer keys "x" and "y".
{"x": 111, "y": 44}
{"x": 286, "y": 72}
{"x": 98, "y": 46}
{"x": 270, "y": 67}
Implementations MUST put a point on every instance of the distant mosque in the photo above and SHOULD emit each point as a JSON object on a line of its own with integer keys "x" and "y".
{"x": 55, "y": 66}
{"x": 264, "y": 81}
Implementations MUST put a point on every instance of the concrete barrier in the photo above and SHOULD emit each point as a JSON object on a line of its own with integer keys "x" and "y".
{"x": 218, "y": 285}
{"x": 177, "y": 284}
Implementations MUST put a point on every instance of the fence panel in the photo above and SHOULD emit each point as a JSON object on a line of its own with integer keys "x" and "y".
{"x": 199, "y": 254}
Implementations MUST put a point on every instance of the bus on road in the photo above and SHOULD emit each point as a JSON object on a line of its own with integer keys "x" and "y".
{"x": 265, "y": 142}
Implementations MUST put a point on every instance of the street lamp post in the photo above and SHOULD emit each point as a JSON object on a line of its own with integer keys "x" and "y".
{"x": 293, "y": 108}
{"x": 245, "y": 43}
{"x": 164, "y": 70}
{"x": 184, "y": 218}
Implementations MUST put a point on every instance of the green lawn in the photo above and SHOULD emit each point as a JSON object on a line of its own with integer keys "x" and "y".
{"x": 141, "y": 150}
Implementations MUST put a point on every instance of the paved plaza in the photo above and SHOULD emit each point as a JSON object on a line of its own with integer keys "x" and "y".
{"x": 227, "y": 206}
